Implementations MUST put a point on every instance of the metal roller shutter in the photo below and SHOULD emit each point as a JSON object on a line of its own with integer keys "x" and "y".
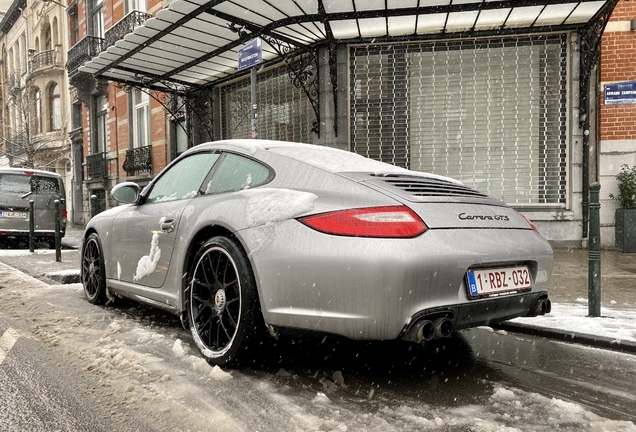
{"x": 491, "y": 113}
{"x": 285, "y": 112}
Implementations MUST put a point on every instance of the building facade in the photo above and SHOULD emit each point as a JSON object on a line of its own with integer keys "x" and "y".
{"x": 35, "y": 97}
{"x": 501, "y": 95}
{"x": 119, "y": 133}
{"x": 617, "y": 121}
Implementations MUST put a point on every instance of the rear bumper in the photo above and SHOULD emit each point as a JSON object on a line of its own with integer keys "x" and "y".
{"x": 482, "y": 313}
{"x": 25, "y": 234}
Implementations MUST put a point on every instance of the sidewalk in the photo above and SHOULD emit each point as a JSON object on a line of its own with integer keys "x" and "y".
{"x": 568, "y": 321}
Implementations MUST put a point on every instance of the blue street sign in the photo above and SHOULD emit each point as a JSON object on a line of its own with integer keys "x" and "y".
{"x": 620, "y": 93}
{"x": 250, "y": 55}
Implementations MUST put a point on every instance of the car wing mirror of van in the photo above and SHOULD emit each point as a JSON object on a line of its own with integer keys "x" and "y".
{"x": 125, "y": 193}
{"x": 26, "y": 195}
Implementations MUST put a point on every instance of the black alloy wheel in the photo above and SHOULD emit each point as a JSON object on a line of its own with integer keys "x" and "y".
{"x": 223, "y": 307}
{"x": 92, "y": 271}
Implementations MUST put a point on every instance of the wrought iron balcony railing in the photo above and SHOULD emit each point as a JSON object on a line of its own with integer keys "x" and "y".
{"x": 83, "y": 51}
{"x": 138, "y": 160}
{"x": 96, "y": 166}
{"x": 124, "y": 26}
{"x": 42, "y": 59}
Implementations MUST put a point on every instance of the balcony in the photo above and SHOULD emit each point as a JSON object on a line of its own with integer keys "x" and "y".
{"x": 124, "y": 26}
{"x": 96, "y": 166}
{"x": 42, "y": 59}
{"x": 82, "y": 52}
{"x": 138, "y": 160}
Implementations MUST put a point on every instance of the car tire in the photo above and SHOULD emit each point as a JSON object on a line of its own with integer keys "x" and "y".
{"x": 222, "y": 302}
{"x": 92, "y": 271}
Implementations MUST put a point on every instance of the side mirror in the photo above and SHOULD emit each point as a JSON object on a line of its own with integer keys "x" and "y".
{"x": 125, "y": 193}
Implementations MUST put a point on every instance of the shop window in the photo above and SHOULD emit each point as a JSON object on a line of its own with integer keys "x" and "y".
{"x": 489, "y": 112}
{"x": 140, "y": 118}
{"x": 37, "y": 106}
{"x": 97, "y": 18}
{"x": 285, "y": 111}
{"x": 55, "y": 112}
{"x": 73, "y": 24}
{"x": 99, "y": 132}
{"x": 138, "y": 5}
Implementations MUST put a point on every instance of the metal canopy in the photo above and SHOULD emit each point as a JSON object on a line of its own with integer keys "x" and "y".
{"x": 195, "y": 43}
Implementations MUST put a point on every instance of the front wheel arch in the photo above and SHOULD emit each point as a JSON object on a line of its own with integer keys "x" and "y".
{"x": 221, "y": 301}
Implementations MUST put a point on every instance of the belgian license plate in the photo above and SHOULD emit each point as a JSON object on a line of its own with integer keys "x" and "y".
{"x": 12, "y": 214}
{"x": 493, "y": 282}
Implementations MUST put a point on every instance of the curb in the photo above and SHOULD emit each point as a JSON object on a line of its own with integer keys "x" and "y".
{"x": 64, "y": 279}
{"x": 567, "y": 336}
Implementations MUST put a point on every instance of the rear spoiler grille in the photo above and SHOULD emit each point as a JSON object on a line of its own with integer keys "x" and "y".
{"x": 427, "y": 187}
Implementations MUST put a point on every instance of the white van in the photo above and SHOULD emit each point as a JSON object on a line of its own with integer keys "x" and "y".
{"x": 18, "y": 186}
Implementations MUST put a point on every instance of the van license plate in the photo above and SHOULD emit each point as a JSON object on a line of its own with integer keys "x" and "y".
{"x": 493, "y": 282}
{"x": 12, "y": 214}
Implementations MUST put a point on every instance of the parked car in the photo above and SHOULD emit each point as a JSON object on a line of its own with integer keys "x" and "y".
{"x": 239, "y": 236}
{"x": 17, "y": 188}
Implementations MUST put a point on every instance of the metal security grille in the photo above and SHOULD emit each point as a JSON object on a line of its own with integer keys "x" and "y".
{"x": 491, "y": 113}
{"x": 284, "y": 114}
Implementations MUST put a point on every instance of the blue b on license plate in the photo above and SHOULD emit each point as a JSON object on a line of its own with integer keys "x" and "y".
{"x": 493, "y": 282}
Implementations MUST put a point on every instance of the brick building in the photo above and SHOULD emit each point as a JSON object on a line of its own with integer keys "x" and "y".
{"x": 617, "y": 121}
{"x": 120, "y": 133}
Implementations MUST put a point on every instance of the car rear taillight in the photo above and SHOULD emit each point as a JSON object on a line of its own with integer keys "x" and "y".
{"x": 64, "y": 214}
{"x": 534, "y": 228}
{"x": 384, "y": 222}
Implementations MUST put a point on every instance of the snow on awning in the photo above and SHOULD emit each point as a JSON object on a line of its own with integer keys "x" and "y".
{"x": 196, "y": 42}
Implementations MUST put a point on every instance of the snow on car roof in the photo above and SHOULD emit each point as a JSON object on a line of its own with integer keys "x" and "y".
{"x": 328, "y": 158}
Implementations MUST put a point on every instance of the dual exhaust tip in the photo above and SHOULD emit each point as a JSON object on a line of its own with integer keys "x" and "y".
{"x": 542, "y": 307}
{"x": 437, "y": 329}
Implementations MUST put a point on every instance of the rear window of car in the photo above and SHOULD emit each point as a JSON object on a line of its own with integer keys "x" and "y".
{"x": 15, "y": 183}
{"x": 23, "y": 184}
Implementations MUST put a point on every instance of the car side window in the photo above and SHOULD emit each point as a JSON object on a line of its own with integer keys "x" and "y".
{"x": 184, "y": 179}
{"x": 237, "y": 172}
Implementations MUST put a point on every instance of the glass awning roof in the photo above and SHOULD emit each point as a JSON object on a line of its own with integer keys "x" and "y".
{"x": 194, "y": 43}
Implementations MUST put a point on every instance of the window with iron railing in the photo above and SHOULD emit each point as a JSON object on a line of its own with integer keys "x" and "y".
{"x": 126, "y": 25}
{"x": 96, "y": 166}
{"x": 83, "y": 51}
{"x": 42, "y": 59}
{"x": 138, "y": 161}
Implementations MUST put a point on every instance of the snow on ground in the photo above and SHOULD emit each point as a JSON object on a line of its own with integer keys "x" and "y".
{"x": 617, "y": 324}
{"x": 141, "y": 363}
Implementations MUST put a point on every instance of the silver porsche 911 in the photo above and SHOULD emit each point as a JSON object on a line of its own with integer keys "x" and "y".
{"x": 243, "y": 236}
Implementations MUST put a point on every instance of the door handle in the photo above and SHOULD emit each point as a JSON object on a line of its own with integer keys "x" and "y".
{"x": 168, "y": 225}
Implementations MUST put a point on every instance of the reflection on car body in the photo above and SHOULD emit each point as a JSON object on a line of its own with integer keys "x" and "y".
{"x": 237, "y": 236}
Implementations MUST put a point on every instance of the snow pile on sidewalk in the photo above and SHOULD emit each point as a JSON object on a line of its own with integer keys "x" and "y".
{"x": 616, "y": 324}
